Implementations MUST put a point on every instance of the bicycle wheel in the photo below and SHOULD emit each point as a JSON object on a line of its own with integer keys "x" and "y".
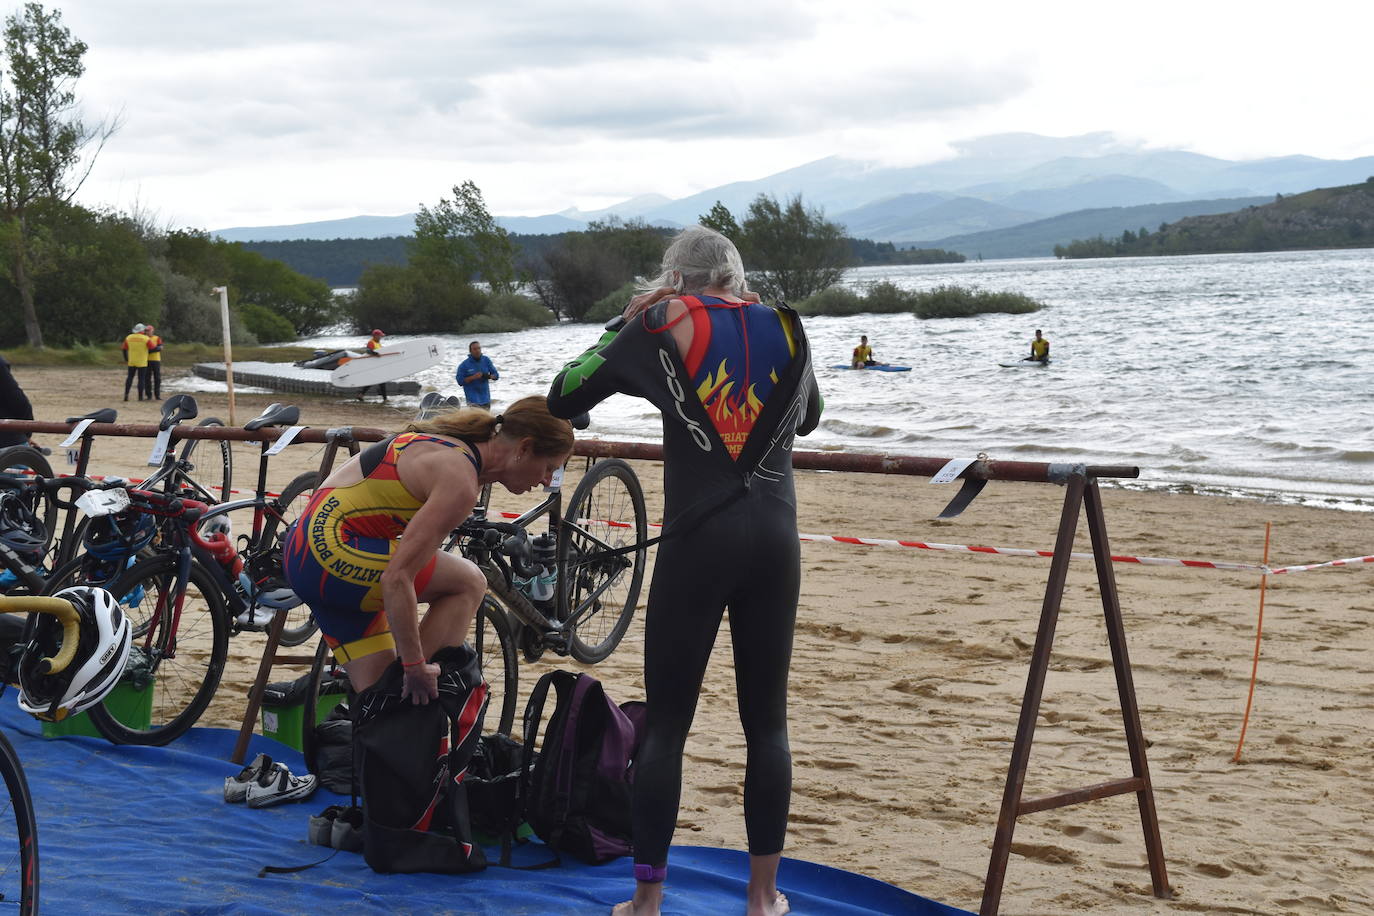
{"x": 26, "y": 463}
{"x": 606, "y": 511}
{"x": 495, "y": 647}
{"x": 181, "y": 655}
{"x": 216, "y": 480}
{"x": 300, "y": 624}
{"x": 18, "y": 836}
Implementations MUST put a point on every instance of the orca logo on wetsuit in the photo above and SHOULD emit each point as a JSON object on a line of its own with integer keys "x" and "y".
{"x": 675, "y": 389}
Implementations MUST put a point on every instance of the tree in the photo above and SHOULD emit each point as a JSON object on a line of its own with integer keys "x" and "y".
{"x": 42, "y": 139}
{"x": 722, "y": 220}
{"x": 792, "y": 251}
{"x": 584, "y": 267}
{"x": 461, "y": 234}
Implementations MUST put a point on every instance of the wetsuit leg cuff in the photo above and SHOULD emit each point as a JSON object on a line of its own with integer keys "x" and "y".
{"x": 652, "y": 874}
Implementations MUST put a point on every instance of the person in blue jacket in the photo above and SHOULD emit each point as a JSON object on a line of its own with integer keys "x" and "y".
{"x": 473, "y": 374}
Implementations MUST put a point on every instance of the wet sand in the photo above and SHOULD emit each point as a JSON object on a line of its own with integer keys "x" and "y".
{"x": 909, "y": 667}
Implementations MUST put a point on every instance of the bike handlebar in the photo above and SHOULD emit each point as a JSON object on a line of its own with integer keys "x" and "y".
{"x": 64, "y": 611}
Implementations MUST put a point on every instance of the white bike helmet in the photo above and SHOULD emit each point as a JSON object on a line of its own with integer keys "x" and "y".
{"x": 103, "y": 651}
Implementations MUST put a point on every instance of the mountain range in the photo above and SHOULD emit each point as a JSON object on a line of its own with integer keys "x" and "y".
{"x": 993, "y": 192}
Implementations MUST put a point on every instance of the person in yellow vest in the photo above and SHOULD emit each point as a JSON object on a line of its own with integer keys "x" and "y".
{"x": 1040, "y": 349}
{"x": 863, "y": 354}
{"x": 154, "y": 385}
{"x": 374, "y": 346}
{"x": 136, "y": 359}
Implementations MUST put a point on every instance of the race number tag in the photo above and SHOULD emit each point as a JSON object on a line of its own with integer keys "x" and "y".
{"x": 76, "y": 433}
{"x": 72, "y": 455}
{"x": 103, "y": 502}
{"x": 952, "y": 470}
{"x": 160, "y": 447}
{"x": 555, "y": 482}
{"x": 284, "y": 440}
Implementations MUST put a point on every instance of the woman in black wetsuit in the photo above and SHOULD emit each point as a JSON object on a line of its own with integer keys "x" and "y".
{"x": 733, "y": 380}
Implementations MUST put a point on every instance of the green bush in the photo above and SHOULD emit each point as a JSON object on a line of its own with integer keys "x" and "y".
{"x": 834, "y": 300}
{"x": 612, "y": 304}
{"x": 887, "y": 298}
{"x": 508, "y": 312}
{"x": 264, "y": 324}
{"x": 962, "y": 301}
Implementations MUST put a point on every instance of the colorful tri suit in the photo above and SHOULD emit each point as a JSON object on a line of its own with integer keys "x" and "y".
{"x": 336, "y": 551}
{"x": 730, "y": 410}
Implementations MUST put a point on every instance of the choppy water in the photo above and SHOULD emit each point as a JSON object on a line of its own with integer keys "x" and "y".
{"x": 1248, "y": 374}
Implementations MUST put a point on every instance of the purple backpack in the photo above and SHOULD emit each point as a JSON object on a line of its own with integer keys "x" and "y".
{"x": 576, "y": 795}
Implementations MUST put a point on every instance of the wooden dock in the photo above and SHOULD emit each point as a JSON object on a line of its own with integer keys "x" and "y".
{"x": 286, "y": 377}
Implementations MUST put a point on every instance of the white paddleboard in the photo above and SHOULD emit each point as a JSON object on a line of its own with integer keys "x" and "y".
{"x": 393, "y": 361}
{"x": 1026, "y": 364}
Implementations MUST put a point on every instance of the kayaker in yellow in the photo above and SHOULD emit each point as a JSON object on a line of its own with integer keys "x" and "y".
{"x": 863, "y": 355}
{"x": 1040, "y": 349}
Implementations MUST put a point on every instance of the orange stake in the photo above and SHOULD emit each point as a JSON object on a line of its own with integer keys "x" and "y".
{"x": 1259, "y": 632}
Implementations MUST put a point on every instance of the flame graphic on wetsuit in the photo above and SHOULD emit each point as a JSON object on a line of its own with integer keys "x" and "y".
{"x": 732, "y": 415}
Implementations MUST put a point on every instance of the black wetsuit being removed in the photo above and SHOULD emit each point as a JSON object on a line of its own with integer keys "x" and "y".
{"x": 730, "y": 538}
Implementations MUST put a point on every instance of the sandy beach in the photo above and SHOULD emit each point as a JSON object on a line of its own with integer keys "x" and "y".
{"x": 909, "y": 668}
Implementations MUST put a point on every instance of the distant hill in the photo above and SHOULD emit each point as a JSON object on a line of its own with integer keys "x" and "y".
{"x": 926, "y": 215}
{"x": 1029, "y": 174}
{"x": 380, "y": 227}
{"x": 1037, "y": 239}
{"x": 1341, "y": 217}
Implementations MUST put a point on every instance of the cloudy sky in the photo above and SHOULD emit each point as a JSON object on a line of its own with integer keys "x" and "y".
{"x": 251, "y": 113}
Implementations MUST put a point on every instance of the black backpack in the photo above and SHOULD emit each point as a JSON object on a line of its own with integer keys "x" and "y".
{"x": 410, "y": 761}
{"x": 576, "y": 795}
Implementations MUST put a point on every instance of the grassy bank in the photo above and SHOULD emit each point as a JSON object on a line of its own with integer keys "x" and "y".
{"x": 173, "y": 355}
{"x": 947, "y": 301}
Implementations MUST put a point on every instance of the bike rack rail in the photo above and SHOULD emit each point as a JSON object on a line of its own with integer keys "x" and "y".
{"x": 1082, "y": 496}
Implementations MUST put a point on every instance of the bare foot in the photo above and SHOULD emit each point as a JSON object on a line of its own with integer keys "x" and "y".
{"x": 628, "y": 909}
{"x": 777, "y": 907}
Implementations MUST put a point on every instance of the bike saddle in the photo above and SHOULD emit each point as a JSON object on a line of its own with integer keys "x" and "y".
{"x": 177, "y": 408}
{"x": 275, "y": 415}
{"x": 103, "y": 415}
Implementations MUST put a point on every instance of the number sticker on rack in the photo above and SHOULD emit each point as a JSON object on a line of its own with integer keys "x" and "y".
{"x": 284, "y": 440}
{"x": 77, "y": 431}
{"x": 160, "y": 447}
{"x": 952, "y": 470}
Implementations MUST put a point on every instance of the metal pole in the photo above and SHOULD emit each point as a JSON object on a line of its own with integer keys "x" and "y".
{"x": 228, "y": 347}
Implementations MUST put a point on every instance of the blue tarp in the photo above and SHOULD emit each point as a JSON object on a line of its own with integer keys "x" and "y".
{"x": 146, "y": 830}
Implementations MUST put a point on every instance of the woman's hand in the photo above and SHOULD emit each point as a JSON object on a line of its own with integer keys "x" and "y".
{"x": 420, "y": 683}
{"x": 644, "y": 300}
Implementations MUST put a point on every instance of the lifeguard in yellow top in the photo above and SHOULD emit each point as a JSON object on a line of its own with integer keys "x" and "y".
{"x": 1040, "y": 348}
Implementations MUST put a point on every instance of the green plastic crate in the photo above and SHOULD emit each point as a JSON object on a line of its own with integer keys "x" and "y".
{"x": 131, "y": 705}
{"x": 283, "y": 723}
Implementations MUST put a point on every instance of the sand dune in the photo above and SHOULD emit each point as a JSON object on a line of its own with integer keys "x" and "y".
{"x": 909, "y": 670}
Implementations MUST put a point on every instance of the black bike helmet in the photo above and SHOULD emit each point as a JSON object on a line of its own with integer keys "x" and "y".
{"x": 20, "y": 529}
{"x": 101, "y": 654}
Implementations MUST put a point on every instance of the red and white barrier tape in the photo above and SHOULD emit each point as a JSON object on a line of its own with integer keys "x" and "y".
{"x": 1024, "y": 552}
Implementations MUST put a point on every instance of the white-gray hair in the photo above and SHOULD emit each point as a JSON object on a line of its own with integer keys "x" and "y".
{"x": 698, "y": 258}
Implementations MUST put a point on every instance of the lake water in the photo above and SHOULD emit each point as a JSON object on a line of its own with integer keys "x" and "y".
{"x": 1248, "y": 374}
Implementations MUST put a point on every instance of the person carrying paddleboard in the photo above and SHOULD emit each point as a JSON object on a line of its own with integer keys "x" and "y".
{"x": 1040, "y": 349}
{"x": 863, "y": 355}
{"x": 374, "y": 348}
